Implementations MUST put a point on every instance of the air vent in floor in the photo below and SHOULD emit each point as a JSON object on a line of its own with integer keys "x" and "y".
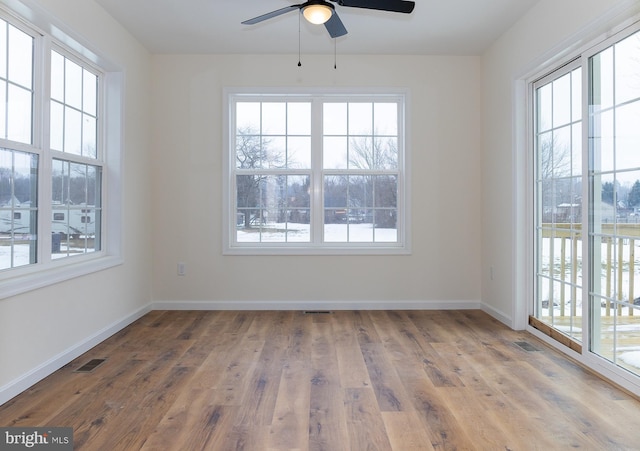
{"x": 526, "y": 346}
{"x": 317, "y": 312}
{"x": 90, "y": 366}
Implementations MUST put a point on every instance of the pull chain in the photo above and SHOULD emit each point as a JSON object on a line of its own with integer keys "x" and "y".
{"x": 335, "y": 51}
{"x": 299, "y": 63}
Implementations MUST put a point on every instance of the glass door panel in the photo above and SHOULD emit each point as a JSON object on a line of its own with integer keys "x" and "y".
{"x": 614, "y": 182}
{"x": 558, "y": 201}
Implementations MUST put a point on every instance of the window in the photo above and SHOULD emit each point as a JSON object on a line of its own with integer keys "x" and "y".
{"x": 18, "y": 168}
{"x": 74, "y": 137}
{"x": 316, "y": 173}
{"x": 52, "y": 171}
{"x": 18, "y": 208}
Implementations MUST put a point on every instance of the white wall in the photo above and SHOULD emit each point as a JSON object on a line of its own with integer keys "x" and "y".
{"x": 42, "y": 325}
{"x": 552, "y": 29}
{"x": 445, "y": 142}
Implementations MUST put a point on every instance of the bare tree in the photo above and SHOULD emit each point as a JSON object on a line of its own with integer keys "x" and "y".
{"x": 253, "y": 152}
{"x": 554, "y": 160}
{"x": 367, "y": 153}
{"x": 378, "y": 191}
{"x": 558, "y": 186}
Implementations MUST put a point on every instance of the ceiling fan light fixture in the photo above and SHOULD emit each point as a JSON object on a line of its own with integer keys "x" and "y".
{"x": 317, "y": 14}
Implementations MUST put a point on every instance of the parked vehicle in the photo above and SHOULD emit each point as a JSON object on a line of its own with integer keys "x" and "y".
{"x": 74, "y": 221}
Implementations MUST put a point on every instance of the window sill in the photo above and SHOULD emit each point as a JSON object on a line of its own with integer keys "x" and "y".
{"x": 55, "y": 273}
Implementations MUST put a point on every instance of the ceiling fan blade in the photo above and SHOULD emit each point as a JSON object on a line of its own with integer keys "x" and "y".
{"x": 397, "y": 6}
{"x": 334, "y": 26}
{"x": 270, "y": 15}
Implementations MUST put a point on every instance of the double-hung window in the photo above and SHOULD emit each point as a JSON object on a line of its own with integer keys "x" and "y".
{"x": 316, "y": 173}
{"x": 20, "y": 158}
{"x": 52, "y": 158}
{"x": 76, "y": 166}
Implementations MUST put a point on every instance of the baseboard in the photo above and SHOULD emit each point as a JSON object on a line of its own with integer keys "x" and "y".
{"x": 27, "y": 380}
{"x": 316, "y": 305}
{"x": 497, "y": 314}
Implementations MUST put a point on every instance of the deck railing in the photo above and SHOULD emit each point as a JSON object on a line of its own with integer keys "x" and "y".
{"x": 618, "y": 264}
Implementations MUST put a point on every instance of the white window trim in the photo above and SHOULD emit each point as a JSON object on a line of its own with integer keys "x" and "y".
{"x": 401, "y": 247}
{"x": 19, "y": 280}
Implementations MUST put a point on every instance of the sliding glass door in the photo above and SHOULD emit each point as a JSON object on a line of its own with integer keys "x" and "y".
{"x": 586, "y": 142}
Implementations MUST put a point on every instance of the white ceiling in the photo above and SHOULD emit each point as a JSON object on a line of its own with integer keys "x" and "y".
{"x": 436, "y": 27}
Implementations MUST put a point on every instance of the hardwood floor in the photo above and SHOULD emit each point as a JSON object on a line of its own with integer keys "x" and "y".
{"x": 365, "y": 380}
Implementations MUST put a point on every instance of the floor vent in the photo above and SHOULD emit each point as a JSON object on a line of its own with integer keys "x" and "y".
{"x": 317, "y": 312}
{"x": 90, "y": 366}
{"x": 526, "y": 346}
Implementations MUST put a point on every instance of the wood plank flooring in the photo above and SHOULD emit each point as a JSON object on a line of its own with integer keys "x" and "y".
{"x": 347, "y": 380}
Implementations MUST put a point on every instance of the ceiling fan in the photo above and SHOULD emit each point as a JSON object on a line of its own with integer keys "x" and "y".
{"x": 322, "y": 12}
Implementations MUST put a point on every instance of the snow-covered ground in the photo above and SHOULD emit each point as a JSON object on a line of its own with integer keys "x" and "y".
{"x": 630, "y": 356}
{"x": 333, "y": 233}
{"x": 21, "y": 254}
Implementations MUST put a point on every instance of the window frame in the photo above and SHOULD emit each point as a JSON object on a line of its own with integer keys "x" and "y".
{"x": 47, "y": 270}
{"x": 316, "y": 246}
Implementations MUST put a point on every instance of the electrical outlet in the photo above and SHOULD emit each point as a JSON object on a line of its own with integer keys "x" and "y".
{"x": 182, "y": 269}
